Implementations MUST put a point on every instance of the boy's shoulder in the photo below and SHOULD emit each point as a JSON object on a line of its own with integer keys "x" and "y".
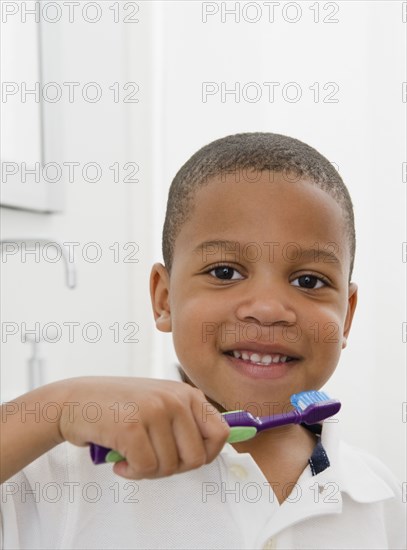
{"x": 350, "y": 452}
{"x": 364, "y": 476}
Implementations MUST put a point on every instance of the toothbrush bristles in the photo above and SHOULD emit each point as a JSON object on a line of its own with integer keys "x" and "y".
{"x": 303, "y": 399}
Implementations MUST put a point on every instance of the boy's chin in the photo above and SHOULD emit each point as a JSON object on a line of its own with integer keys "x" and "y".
{"x": 281, "y": 403}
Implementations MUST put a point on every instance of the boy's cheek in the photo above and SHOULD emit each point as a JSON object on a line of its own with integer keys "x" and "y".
{"x": 325, "y": 332}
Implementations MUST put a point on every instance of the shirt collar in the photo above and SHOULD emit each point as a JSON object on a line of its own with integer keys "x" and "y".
{"x": 355, "y": 475}
{"x": 348, "y": 469}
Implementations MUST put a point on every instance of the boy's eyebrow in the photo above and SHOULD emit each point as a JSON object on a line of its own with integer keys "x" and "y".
{"x": 316, "y": 254}
{"x": 216, "y": 243}
{"x": 219, "y": 245}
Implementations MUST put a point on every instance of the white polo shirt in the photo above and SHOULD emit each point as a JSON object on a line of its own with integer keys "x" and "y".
{"x": 62, "y": 500}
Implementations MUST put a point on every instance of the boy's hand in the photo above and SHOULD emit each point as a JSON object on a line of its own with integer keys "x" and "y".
{"x": 162, "y": 427}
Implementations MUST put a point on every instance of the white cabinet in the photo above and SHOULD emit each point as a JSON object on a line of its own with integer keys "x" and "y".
{"x": 26, "y": 180}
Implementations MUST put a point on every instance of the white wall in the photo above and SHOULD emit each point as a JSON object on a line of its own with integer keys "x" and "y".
{"x": 170, "y": 52}
{"x": 104, "y": 212}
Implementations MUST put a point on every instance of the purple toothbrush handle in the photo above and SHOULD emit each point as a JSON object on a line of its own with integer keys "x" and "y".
{"x": 98, "y": 453}
{"x": 314, "y": 413}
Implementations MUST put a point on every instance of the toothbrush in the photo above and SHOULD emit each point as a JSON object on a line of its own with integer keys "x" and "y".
{"x": 310, "y": 407}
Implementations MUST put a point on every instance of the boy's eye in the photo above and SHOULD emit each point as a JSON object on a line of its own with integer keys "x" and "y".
{"x": 309, "y": 281}
{"x": 225, "y": 273}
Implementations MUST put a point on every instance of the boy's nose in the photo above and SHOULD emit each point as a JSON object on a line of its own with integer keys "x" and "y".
{"x": 266, "y": 304}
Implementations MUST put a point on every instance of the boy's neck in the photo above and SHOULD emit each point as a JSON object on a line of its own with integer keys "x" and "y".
{"x": 282, "y": 454}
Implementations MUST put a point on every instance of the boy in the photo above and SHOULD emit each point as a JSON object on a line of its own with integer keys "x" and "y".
{"x": 258, "y": 246}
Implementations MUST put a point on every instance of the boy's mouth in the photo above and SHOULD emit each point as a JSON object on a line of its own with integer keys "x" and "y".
{"x": 260, "y": 359}
{"x": 272, "y": 362}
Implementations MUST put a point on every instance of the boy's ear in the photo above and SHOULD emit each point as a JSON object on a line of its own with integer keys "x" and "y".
{"x": 352, "y": 301}
{"x": 159, "y": 292}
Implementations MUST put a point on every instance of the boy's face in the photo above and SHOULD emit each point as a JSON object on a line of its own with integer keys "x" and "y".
{"x": 260, "y": 271}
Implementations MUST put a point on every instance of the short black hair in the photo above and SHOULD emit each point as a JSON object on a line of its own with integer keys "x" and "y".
{"x": 256, "y": 151}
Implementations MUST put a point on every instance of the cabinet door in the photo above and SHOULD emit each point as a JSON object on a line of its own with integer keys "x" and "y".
{"x": 26, "y": 181}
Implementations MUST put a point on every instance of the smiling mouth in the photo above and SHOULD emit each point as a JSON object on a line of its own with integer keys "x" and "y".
{"x": 260, "y": 359}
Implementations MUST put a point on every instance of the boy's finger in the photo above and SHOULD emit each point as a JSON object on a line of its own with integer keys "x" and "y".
{"x": 213, "y": 427}
{"x": 141, "y": 460}
{"x": 191, "y": 448}
{"x": 162, "y": 440}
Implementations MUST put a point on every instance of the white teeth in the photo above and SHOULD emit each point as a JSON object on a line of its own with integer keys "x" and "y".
{"x": 257, "y": 358}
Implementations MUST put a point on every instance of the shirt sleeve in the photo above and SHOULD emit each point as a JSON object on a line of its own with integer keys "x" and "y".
{"x": 394, "y": 509}
{"x": 33, "y": 503}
